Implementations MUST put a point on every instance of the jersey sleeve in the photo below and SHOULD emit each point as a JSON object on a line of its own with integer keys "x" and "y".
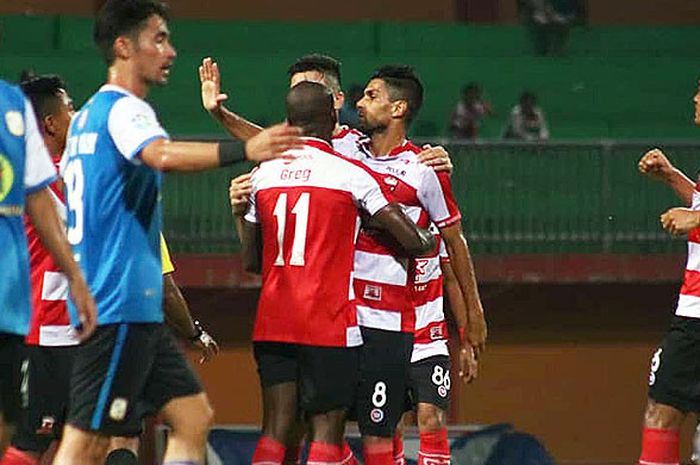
{"x": 366, "y": 190}
{"x": 133, "y": 125}
{"x": 167, "y": 263}
{"x": 435, "y": 194}
{"x": 39, "y": 170}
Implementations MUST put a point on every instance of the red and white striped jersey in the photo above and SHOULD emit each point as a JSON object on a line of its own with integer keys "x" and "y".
{"x": 431, "y": 327}
{"x": 307, "y": 206}
{"x": 381, "y": 280}
{"x": 689, "y": 298}
{"x": 346, "y": 141}
{"x": 50, "y": 323}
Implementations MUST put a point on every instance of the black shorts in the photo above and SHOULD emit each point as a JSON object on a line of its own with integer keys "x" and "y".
{"x": 125, "y": 372}
{"x": 674, "y": 378}
{"x": 11, "y": 349}
{"x": 430, "y": 382}
{"x": 326, "y": 377}
{"x": 46, "y": 375}
{"x": 385, "y": 360}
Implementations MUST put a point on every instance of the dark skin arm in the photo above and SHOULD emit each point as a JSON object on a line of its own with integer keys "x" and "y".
{"x": 250, "y": 235}
{"x": 468, "y": 364}
{"x": 42, "y": 213}
{"x": 178, "y": 317}
{"x": 461, "y": 262}
{"x": 413, "y": 240}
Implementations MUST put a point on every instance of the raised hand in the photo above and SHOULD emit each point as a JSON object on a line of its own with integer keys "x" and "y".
{"x": 210, "y": 79}
{"x": 655, "y": 164}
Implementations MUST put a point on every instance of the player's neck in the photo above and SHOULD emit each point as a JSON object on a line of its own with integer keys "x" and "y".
{"x": 53, "y": 146}
{"x": 385, "y": 141}
{"x": 120, "y": 75}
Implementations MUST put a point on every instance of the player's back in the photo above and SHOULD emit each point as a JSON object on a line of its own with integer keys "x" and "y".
{"x": 307, "y": 206}
{"x": 14, "y": 273}
{"x": 113, "y": 203}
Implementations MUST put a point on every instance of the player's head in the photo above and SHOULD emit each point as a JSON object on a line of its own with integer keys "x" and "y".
{"x": 696, "y": 99}
{"x": 310, "y": 107}
{"x": 318, "y": 68}
{"x": 394, "y": 93}
{"x": 135, "y": 32}
{"x": 52, "y": 104}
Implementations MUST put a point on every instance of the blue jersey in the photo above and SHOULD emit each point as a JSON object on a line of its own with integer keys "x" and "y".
{"x": 25, "y": 167}
{"x": 113, "y": 203}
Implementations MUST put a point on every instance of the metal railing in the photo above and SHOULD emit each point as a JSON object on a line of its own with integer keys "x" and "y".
{"x": 580, "y": 197}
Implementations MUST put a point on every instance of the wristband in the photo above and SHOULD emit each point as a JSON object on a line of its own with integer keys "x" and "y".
{"x": 230, "y": 152}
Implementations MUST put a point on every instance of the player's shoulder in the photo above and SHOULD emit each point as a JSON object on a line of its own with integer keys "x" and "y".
{"x": 348, "y": 133}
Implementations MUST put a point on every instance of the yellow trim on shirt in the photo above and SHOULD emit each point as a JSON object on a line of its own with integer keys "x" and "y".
{"x": 167, "y": 263}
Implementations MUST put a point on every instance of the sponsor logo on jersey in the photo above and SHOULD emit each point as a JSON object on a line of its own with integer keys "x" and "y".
{"x": 436, "y": 333}
{"x": 15, "y": 123}
{"x": 391, "y": 182}
{"x": 117, "y": 411}
{"x": 7, "y": 177}
{"x": 376, "y": 415}
{"x": 372, "y": 292}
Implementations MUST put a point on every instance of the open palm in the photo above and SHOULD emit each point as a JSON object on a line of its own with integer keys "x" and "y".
{"x": 210, "y": 78}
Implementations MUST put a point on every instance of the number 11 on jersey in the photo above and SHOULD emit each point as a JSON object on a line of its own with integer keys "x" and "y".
{"x": 301, "y": 213}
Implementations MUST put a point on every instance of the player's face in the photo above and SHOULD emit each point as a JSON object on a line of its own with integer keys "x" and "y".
{"x": 62, "y": 117}
{"x": 319, "y": 78}
{"x": 696, "y": 99}
{"x": 154, "y": 53}
{"x": 374, "y": 109}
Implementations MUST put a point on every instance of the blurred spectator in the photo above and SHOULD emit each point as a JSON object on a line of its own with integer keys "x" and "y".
{"x": 471, "y": 108}
{"x": 527, "y": 121}
{"x": 348, "y": 114}
{"x": 550, "y": 22}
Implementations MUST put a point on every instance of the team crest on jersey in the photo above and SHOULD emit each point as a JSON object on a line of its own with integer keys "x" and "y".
{"x": 372, "y": 292}
{"x": 7, "y": 177}
{"x": 15, "y": 123}
{"x": 117, "y": 411}
{"x": 391, "y": 182}
{"x": 376, "y": 415}
{"x": 47, "y": 423}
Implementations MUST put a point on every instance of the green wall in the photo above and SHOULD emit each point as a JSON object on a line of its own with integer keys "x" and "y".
{"x": 615, "y": 83}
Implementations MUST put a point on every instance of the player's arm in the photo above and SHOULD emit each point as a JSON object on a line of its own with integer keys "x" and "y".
{"x": 468, "y": 364}
{"x": 166, "y": 155}
{"x": 437, "y": 158}
{"x": 213, "y": 102}
{"x": 413, "y": 240}
{"x": 178, "y": 316}
{"x": 657, "y": 165}
{"x": 461, "y": 262}
{"x": 42, "y": 213}
{"x": 250, "y": 235}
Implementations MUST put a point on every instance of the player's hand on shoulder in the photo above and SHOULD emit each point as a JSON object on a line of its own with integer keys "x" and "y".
{"x": 436, "y": 157}
{"x": 273, "y": 142}
{"x": 210, "y": 79}
{"x": 239, "y": 193}
{"x": 85, "y": 305}
{"x": 655, "y": 164}
{"x": 680, "y": 220}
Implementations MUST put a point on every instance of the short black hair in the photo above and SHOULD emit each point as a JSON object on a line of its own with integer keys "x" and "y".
{"x": 324, "y": 64}
{"x": 403, "y": 84}
{"x": 310, "y": 106}
{"x": 43, "y": 92}
{"x": 123, "y": 17}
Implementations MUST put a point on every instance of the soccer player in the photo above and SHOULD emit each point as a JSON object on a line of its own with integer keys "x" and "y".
{"x": 304, "y": 209}
{"x": 25, "y": 171}
{"x": 47, "y": 358}
{"x": 675, "y": 366}
{"x": 115, "y": 151}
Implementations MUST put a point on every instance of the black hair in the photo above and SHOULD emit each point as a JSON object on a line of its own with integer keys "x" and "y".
{"x": 310, "y": 107}
{"x": 123, "y": 17}
{"x": 43, "y": 92}
{"x": 403, "y": 84}
{"x": 324, "y": 64}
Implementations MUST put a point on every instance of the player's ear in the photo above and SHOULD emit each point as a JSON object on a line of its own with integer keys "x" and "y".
{"x": 122, "y": 47}
{"x": 48, "y": 125}
{"x": 338, "y": 99}
{"x": 399, "y": 109}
